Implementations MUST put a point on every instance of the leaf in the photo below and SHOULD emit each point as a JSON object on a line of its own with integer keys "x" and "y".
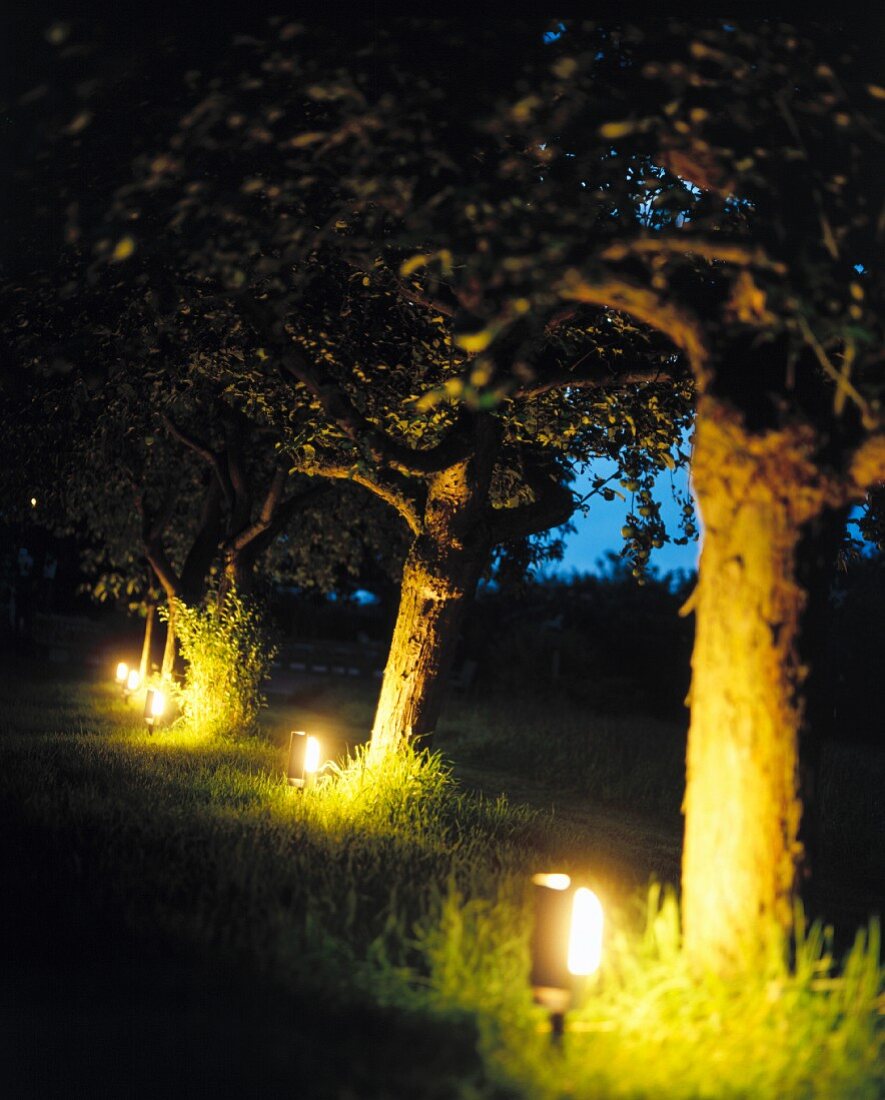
{"x": 78, "y": 123}
{"x": 413, "y": 264}
{"x": 522, "y": 111}
{"x": 123, "y": 249}
{"x": 564, "y": 68}
{"x": 473, "y": 342}
{"x": 310, "y": 137}
{"x": 617, "y": 129}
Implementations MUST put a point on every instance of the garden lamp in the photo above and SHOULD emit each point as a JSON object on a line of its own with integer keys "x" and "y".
{"x": 154, "y": 705}
{"x": 304, "y": 759}
{"x": 122, "y": 673}
{"x": 566, "y": 942}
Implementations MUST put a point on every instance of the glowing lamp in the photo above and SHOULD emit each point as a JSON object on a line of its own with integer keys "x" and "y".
{"x": 566, "y": 942}
{"x": 128, "y": 678}
{"x": 154, "y": 705}
{"x": 304, "y": 759}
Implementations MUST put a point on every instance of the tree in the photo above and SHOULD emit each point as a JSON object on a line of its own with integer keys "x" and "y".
{"x": 286, "y": 193}
{"x": 766, "y": 141}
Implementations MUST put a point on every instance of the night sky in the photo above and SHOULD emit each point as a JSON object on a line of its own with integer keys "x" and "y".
{"x": 599, "y": 530}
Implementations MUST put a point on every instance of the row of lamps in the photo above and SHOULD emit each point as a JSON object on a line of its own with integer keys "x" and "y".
{"x": 566, "y": 943}
{"x": 154, "y": 701}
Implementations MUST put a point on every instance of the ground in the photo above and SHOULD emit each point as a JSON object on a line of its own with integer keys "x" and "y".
{"x": 178, "y": 922}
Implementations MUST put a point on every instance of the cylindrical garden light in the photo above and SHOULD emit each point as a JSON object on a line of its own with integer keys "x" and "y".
{"x": 128, "y": 678}
{"x": 566, "y": 942}
{"x": 154, "y": 706}
{"x": 304, "y": 759}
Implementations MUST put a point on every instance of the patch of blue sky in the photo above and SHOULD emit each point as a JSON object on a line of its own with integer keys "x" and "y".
{"x": 598, "y": 529}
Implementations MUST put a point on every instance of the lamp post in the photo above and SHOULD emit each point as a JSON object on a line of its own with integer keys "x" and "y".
{"x": 154, "y": 706}
{"x": 566, "y": 943}
{"x": 304, "y": 759}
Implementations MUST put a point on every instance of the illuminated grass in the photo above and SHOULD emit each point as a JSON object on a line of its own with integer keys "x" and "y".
{"x": 396, "y": 889}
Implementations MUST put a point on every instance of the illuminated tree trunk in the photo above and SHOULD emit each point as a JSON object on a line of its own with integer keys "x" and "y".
{"x": 169, "y": 651}
{"x": 742, "y": 805}
{"x": 436, "y": 591}
{"x": 239, "y": 574}
{"x": 439, "y": 578}
{"x": 144, "y": 667}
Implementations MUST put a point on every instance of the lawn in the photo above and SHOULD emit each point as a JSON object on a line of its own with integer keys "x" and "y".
{"x": 177, "y": 920}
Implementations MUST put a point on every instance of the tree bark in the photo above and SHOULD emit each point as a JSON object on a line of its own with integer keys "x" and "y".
{"x": 436, "y": 590}
{"x": 144, "y": 666}
{"x": 169, "y": 651}
{"x": 440, "y": 575}
{"x": 742, "y": 803}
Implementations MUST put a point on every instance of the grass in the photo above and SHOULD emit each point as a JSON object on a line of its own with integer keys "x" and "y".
{"x": 176, "y": 916}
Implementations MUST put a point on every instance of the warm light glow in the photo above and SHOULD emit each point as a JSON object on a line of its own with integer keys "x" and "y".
{"x": 585, "y": 937}
{"x": 122, "y": 672}
{"x": 552, "y": 882}
{"x": 157, "y": 704}
{"x": 311, "y": 755}
{"x": 133, "y": 680}
{"x": 33, "y": 502}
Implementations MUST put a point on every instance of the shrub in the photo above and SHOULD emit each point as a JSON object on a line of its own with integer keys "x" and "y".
{"x": 227, "y": 652}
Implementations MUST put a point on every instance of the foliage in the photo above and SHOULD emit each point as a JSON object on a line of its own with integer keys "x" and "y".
{"x": 252, "y": 249}
{"x": 227, "y": 657}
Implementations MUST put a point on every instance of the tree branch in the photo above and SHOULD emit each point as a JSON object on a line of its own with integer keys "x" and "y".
{"x": 162, "y": 566}
{"x": 682, "y": 327}
{"x": 260, "y": 534}
{"x": 553, "y": 505}
{"x": 598, "y": 376}
{"x": 403, "y": 502}
{"x": 339, "y": 408}
{"x": 152, "y": 531}
{"x": 206, "y": 454}
{"x": 868, "y": 463}
{"x": 723, "y": 251}
{"x": 240, "y": 503}
{"x": 448, "y": 305}
{"x": 266, "y": 513}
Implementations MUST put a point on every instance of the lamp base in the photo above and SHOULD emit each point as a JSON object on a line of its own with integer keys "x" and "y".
{"x": 556, "y": 1000}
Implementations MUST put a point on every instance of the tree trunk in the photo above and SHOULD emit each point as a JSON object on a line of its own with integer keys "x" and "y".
{"x": 436, "y": 590}
{"x": 144, "y": 667}
{"x": 169, "y": 652}
{"x": 742, "y": 805}
{"x": 238, "y": 572}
